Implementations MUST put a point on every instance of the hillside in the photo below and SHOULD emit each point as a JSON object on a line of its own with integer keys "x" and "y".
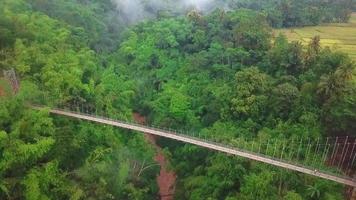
{"x": 212, "y": 74}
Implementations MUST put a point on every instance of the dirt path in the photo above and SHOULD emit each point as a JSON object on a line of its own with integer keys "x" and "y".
{"x": 2, "y": 92}
{"x": 166, "y": 179}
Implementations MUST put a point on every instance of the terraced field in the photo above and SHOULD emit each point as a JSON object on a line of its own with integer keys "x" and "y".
{"x": 340, "y": 37}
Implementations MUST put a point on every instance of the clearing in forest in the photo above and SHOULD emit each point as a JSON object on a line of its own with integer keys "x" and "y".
{"x": 340, "y": 37}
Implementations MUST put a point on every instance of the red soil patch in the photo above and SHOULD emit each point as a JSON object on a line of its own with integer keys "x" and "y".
{"x": 343, "y": 155}
{"x": 166, "y": 179}
{"x": 139, "y": 118}
{"x": 2, "y": 91}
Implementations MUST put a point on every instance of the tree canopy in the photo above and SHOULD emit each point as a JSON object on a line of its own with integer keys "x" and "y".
{"x": 221, "y": 74}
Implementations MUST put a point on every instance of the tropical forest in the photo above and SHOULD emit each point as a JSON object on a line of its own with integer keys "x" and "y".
{"x": 177, "y": 100}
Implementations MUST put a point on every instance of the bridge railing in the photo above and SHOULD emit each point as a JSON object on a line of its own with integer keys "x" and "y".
{"x": 302, "y": 168}
{"x": 335, "y": 156}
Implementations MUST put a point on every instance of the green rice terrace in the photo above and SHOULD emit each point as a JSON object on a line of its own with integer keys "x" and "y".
{"x": 338, "y": 36}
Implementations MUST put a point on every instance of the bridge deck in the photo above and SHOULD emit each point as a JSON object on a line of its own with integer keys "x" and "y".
{"x": 207, "y": 144}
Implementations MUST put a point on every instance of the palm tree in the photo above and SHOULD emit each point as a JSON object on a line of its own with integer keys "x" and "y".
{"x": 346, "y": 71}
{"x": 313, "y": 192}
{"x": 334, "y": 83}
{"x": 327, "y": 86}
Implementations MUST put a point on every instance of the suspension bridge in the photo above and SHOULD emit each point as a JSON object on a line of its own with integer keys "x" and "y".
{"x": 330, "y": 159}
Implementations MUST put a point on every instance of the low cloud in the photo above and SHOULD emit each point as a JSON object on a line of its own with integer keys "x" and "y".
{"x": 137, "y": 10}
{"x": 198, "y": 4}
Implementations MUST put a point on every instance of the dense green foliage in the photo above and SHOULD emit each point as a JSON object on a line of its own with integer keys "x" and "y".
{"x": 279, "y": 13}
{"x": 96, "y": 21}
{"x": 42, "y": 157}
{"x": 289, "y": 13}
{"x": 221, "y": 75}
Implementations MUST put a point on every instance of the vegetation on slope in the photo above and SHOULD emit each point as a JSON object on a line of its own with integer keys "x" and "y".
{"x": 218, "y": 74}
{"x": 292, "y": 13}
{"x": 279, "y": 13}
{"x": 46, "y": 157}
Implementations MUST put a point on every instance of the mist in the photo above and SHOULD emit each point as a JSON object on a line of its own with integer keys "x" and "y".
{"x": 202, "y": 5}
{"x": 133, "y": 11}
